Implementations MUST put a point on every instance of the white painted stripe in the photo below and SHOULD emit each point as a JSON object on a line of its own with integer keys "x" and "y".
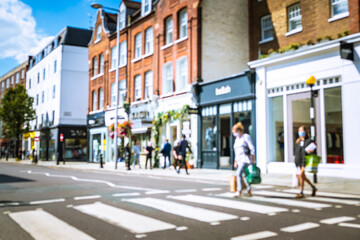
{"x": 254, "y": 236}
{"x": 47, "y": 201}
{"x": 289, "y": 202}
{"x": 260, "y": 186}
{"x": 183, "y": 210}
{"x": 87, "y": 197}
{"x": 44, "y": 226}
{"x": 210, "y": 189}
{"x": 337, "y": 220}
{"x": 126, "y": 194}
{"x": 185, "y": 190}
{"x": 325, "y": 194}
{"x": 300, "y": 227}
{"x": 335, "y": 200}
{"x": 352, "y": 225}
{"x": 239, "y": 205}
{"x": 130, "y": 221}
{"x": 274, "y": 194}
{"x": 157, "y": 192}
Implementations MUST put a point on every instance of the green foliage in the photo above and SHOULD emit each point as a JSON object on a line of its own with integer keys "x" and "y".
{"x": 319, "y": 39}
{"x": 339, "y": 35}
{"x": 16, "y": 112}
{"x": 328, "y": 37}
{"x": 346, "y": 33}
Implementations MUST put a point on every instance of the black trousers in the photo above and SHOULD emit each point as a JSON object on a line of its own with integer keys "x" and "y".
{"x": 148, "y": 158}
{"x": 182, "y": 163}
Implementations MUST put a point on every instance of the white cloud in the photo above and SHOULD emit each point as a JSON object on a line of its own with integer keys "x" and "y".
{"x": 18, "y": 35}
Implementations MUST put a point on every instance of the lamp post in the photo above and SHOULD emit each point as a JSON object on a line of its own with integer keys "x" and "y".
{"x": 99, "y": 6}
{"x": 311, "y": 82}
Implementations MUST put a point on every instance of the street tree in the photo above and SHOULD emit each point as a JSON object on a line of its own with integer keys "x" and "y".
{"x": 16, "y": 112}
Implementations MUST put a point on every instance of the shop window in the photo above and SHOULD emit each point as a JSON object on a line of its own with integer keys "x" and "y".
{"x": 333, "y": 125}
{"x": 209, "y": 129}
{"x": 75, "y": 149}
{"x": 276, "y": 140}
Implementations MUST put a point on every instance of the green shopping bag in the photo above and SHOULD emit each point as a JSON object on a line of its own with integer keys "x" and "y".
{"x": 253, "y": 174}
{"x": 312, "y": 161}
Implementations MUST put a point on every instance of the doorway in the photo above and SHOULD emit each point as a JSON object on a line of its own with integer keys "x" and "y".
{"x": 299, "y": 115}
{"x": 224, "y": 135}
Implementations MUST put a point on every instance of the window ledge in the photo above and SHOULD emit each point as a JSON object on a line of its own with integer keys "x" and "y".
{"x": 181, "y": 39}
{"x": 297, "y": 30}
{"x": 123, "y": 65}
{"x": 147, "y": 54}
{"x": 99, "y": 75}
{"x": 266, "y": 40}
{"x": 167, "y": 46}
{"x": 339, "y": 16}
{"x": 170, "y": 94}
{"x": 136, "y": 59}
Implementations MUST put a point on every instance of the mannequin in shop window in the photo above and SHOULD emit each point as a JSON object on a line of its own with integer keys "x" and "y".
{"x": 210, "y": 134}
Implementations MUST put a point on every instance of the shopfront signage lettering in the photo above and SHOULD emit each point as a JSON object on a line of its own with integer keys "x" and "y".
{"x": 140, "y": 115}
{"x": 77, "y": 133}
{"x": 222, "y": 90}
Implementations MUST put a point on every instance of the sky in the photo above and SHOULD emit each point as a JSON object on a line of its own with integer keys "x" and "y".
{"x": 26, "y": 26}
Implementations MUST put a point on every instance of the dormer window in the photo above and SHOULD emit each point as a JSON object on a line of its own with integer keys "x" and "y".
{"x": 98, "y": 33}
{"x": 122, "y": 18}
{"x": 145, "y": 6}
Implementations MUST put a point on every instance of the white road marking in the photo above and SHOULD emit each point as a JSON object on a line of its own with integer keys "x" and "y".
{"x": 44, "y": 226}
{"x": 183, "y": 210}
{"x": 157, "y": 192}
{"x": 334, "y": 200}
{"x": 140, "y": 235}
{"x": 300, "y": 227}
{"x": 126, "y": 194}
{"x": 324, "y": 194}
{"x": 274, "y": 194}
{"x": 47, "y": 201}
{"x": 185, "y": 190}
{"x": 181, "y": 228}
{"x": 239, "y": 205}
{"x": 295, "y": 210}
{"x": 337, "y": 220}
{"x": 255, "y": 236}
{"x": 245, "y": 219}
{"x": 87, "y": 197}
{"x": 130, "y": 221}
{"x": 211, "y": 189}
{"x": 260, "y": 186}
{"x": 214, "y": 223}
{"x": 352, "y": 225}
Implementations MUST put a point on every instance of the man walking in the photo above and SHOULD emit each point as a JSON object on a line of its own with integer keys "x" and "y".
{"x": 136, "y": 149}
{"x": 166, "y": 151}
{"x": 182, "y": 151}
{"x": 149, "y": 149}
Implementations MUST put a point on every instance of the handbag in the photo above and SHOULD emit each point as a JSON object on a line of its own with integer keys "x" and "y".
{"x": 253, "y": 174}
{"x": 233, "y": 183}
{"x": 246, "y": 150}
{"x": 311, "y": 163}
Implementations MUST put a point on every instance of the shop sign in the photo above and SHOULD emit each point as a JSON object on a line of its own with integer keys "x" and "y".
{"x": 193, "y": 111}
{"x": 222, "y": 90}
{"x": 77, "y": 133}
{"x": 36, "y": 139}
{"x": 61, "y": 137}
{"x": 347, "y": 51}
{"x": 140, "y": 115}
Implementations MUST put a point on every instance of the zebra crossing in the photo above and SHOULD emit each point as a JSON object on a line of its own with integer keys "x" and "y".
{"x": 180, "y": 203}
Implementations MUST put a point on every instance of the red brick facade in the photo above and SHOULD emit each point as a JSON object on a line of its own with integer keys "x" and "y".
{"x": 315, "y": 18}
{"x": 11, "y": 78}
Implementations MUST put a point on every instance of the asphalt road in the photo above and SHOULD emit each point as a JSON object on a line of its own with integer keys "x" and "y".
{"x": 47, "y": 203}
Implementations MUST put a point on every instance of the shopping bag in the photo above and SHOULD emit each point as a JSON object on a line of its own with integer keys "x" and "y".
{"x": 253, "y": 174}
{"x": 232, "y": 183}
{"x": 312, "y": 161}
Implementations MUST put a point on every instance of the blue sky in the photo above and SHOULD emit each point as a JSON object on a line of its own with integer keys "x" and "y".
{"x": 28, "y": 25}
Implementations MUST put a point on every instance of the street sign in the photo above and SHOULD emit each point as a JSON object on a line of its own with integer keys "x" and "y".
{"x": 36, "y": 139}
{"x": 61, "y": 137}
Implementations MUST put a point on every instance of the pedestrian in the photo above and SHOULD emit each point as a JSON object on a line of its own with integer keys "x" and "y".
{"x": 176, "y": 154}
{"x": 127, "y": 156}
{"x": 166, "y": 151}
{"x": 136, "y": 149}
{"x": 244, "y": 151}
{"x": 300, "y": 150}
{"x": 149, "y": 149}
{"x": 183, "y": 146}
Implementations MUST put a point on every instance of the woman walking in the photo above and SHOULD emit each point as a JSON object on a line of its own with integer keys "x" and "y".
{"x": 244, "y": 155}
{"x": 299, "y": 150}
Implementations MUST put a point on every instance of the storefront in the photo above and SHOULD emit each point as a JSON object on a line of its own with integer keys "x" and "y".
{"x": 222, "y": 103}
{"x": 142, "y": 116}
{"x": 73, "y": 147}
{"x": 97, "y": 135}
{"x": 283, "y": 103}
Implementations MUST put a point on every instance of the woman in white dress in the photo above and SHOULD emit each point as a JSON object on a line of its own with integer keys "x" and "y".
{"x": 244, "y": 155}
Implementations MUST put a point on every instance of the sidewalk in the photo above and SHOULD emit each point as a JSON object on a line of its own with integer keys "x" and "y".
{"x": 325, "y": 184}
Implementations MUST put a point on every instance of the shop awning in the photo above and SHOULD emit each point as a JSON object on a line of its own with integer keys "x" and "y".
{"x": 139, "y": 130}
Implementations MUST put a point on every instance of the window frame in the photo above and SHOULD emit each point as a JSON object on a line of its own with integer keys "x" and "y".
{"x": 123, "y": 53}
{"x": 169, "y": 30}
{"x": 338, "y": 2}
{"x": 113, "y": 57}
{"x": 266, "y": 28}
{"x": 122, "y": 18}
{"x": 181, "y": 77}
{"x": 293, "y": 10}
{"x": 138, "y": 45}
{"x": 94, "y": 100}
{"x": 98, "y": 33}
{"x": 167, "y": 79}
{"x": 149, "y": 40}
{"x": 101, "y": 60}
{"x": 148, "y": 84}
{"x": 122, "y": 91}
{"x": 183, "y": 33}
{"x": 94, "y": 66}
{"x": 101, "y": 98}
{"x": 137, "y": 87}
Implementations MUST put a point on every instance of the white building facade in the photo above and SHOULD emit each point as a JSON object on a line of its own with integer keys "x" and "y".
{"x": 57, "y": 79}
{"x": 283, "y": 102}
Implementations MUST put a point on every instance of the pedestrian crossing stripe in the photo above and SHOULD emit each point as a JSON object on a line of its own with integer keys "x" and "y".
{"x": 238, "y": 205}
{"x": 42, "y": 225}
{"x": 133, "y": 222}
{"x": 336, "y": 200}
{"x": 336, "y": 220}
{"x": 325, "y": 194}
{"x": 255, "y": 236}
{"x": 300, "y": 227}
{"x": 183, "y": 210}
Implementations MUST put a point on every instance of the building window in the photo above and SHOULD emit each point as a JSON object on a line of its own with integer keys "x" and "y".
{"x": 98, "y": 33}
{"x": 181, "y": 73}
{"x": 294, "y": 17}
{"x": 113, "y": 57}
{"x": 168, "y": 30}
{"x": 146, "y": 7}
{"x": 44, "y": 73}
{"x": 137, "y": 93}
{"x": 266, "y": 28}
{"x": 12, "y": 80}
{"x": 54, "y": 90}
{"x": 167, "y": 78}
{"x": 339, "y": 7}
{"x": 29, "y": 84}
{"x": 183, "y": 23}
{"x": 123, "y": 53}
{"x": 22, "y": 74}
{"x": 148, "y": 84}
{"x": 42, "y": 97}
{"x": 37, "y": 99}
{"x": 94, "y": 100}
{"x": 55, "y": 62}
{"x": 138, "y": 46}
{"x": 122, "y": 19}
{"x": 149, "y": 41}
{"x": 7, "y": 83}
{"x": 38, "y": 77}
{"x": 113, "y": 94}
{"x": 122, "y": 91}
{"x": 101, "y": 98}
{"x": 94, "y": 66}
{"x": 53, "y": 116}
{"x": 17, "y": 78}
{"x": 2, "y": 86}
{"x": 101, "y": 63}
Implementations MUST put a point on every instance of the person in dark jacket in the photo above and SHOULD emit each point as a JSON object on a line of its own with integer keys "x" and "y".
{"x": 183, "y": 146}
{"x": 149, "y": 149}
{"x": 127, "y": 156}
{"x": 299, "y": 151}
{"x": 166, "y": 151}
